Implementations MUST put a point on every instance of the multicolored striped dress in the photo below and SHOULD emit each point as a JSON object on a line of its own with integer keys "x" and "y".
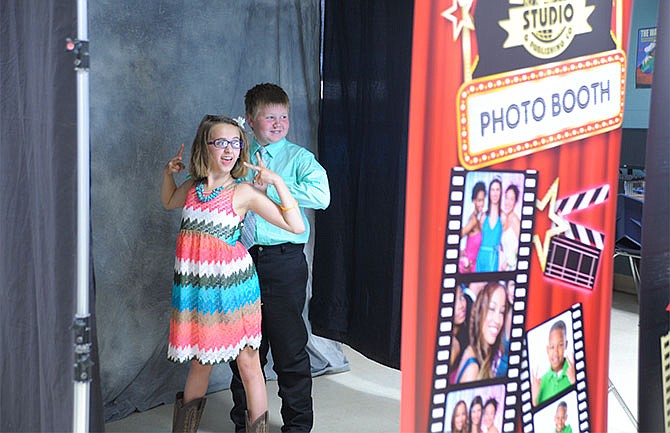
{"x": 216, "y": 307}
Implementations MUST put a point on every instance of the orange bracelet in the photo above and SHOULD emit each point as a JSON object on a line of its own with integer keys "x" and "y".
{"x": 289, "y": 208}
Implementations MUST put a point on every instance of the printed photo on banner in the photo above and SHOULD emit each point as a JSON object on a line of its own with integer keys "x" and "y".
{"x": 475, "y": 410}
{"x": 646, "y": 52}
{"x": 551, "y": 359}
{"x": 491, "y": 221}
{"x": 482, "y": 324}
{"x": 559, "y": 417}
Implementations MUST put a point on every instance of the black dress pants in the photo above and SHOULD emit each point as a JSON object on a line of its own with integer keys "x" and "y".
{"x": 282, "y": 272}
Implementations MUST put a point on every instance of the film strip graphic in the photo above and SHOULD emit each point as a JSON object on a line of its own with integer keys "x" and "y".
{"x": 441, "y": 386}
{"x": 665, "y": 373}
{"x": 574, "y": 255}
{"x": 538, "y": 411}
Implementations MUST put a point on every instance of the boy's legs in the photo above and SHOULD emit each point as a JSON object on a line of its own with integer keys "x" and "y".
{"x": 282, "y": 271}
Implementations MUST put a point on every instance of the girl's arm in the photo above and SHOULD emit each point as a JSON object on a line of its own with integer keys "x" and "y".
{"x": 287, "y": 215}
{"x": 471, "y": 224}
{"x": 470, "y": 373}
{"x": 472, "y": 369}
{"x": 517, "y": 225}
{"x": 171, "y": 196}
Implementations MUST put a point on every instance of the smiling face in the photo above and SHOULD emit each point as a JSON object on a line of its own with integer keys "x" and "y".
{"x": 495, "y": 190}
{"x": 560, "y": 418}
{"x": 476, "y": 414}
{"x": 270, "y": 124}
{"x": 495, "y": 316}
{"x": 489, "y": 415}
{"x": 556, "y": 349}
{"x": 479, "y": 201}
{"x": 509, "y": 201}
{"x": 460, "y": 416}
{"x": 223, "y": 160}
{"x": 461, "y": 306}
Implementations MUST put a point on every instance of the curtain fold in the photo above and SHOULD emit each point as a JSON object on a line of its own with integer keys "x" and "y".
{"x": 358, "y": 255}
{"x": 38, "y": 138}
{"x": 655, "y": 263}
{"x": 156, "y": 68}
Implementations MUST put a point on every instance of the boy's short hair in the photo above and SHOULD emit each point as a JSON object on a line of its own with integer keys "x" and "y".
{"x": 559, "y": 325}
{"x": 264, "y": 94}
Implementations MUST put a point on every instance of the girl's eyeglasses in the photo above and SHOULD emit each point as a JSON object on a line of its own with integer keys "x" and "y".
{"x": 220, "y": 143}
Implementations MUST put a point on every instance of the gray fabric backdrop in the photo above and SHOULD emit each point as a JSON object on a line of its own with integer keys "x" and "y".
{"x": 156, "y": 68}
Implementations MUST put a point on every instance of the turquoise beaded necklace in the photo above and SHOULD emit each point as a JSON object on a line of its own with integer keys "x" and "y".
{"x": 200, "y": 191}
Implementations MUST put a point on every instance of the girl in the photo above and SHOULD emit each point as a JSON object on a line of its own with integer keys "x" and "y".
{"x": 459, "y": 418}
{"x": 462, "y": 307}
{"x": 487, "y": 258}
{"x": 216, "y": 308}
{"x": 488, "y": 420}
{"x": 480, "y": 358}
{"x": 475, "y": 421}
{"x": 472, "y": 230}
{"x": 509, "y": 241}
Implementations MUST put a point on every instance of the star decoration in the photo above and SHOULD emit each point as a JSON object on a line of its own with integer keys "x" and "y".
{"x": 561, "y": 225}
{"x": 465, "y": 20}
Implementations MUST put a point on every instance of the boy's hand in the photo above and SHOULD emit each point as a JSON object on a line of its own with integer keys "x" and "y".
{"x": 535, "y": 382}
{"x": 570, "y": 372}
{"x": 175, "y": 165}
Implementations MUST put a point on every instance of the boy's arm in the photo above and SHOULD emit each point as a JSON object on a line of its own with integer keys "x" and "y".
{"x": 311, "y": 187}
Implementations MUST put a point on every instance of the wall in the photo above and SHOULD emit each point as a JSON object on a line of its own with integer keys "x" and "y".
{"x": 636, "y": 110}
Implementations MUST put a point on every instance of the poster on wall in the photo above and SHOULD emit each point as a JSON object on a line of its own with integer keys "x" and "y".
{"x": 515, "y": 116}
{"x": 644, "y": 62}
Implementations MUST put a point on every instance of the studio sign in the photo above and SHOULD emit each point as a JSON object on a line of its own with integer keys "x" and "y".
{"x": 545, "y": 28}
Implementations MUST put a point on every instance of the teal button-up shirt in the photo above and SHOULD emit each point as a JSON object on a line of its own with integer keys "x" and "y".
{"x": 306, "y": 179}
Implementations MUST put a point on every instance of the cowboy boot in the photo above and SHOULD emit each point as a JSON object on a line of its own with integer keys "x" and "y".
{"x": 186, "y": 417}
{"x": 259, "y": 426}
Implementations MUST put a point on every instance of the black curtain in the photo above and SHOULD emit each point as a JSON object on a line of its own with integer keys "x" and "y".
{"x": 38, "y": 139}
{"x": 358, "y": 252}
{"x": 655, "y": 263}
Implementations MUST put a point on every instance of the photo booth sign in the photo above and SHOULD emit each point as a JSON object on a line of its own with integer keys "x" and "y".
{"x": 515, "y": 115}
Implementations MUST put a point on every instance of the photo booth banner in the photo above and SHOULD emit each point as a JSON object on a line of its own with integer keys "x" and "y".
{"x": 515, "y": 125}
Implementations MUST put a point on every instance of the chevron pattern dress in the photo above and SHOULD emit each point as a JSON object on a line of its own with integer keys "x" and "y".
{"x": 216, "y": 308}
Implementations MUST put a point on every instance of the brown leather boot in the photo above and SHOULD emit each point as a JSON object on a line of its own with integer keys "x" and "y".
{"x": 186, "y": 417}
{"x": 258, "y": 426}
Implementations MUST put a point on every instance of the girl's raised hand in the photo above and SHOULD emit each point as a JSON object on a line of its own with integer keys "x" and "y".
{"x": 264, "y": 176}
{"x": 175, "y": 165}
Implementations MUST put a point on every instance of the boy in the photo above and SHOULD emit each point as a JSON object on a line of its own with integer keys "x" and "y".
{"x": 561, "y": 374}
{"x": 561, "y": 417}
{"x": 279, "y": 258}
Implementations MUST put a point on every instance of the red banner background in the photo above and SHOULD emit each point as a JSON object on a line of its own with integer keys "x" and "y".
{"x": 580, "y": 165}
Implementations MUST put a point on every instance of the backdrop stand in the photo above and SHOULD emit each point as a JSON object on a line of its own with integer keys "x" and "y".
{"x": 82, "y": 329}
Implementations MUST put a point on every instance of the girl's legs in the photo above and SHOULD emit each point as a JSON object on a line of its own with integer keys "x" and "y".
{"x": 196, "y": 381}
{"x": 254, "y": 382}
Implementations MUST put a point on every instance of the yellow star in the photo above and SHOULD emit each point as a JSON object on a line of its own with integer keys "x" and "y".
{"x": 561, "y": 226}
{"x": 465, "y": 21}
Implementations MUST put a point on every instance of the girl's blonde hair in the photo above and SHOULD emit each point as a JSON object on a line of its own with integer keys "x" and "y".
{"x": 199, "y": 163}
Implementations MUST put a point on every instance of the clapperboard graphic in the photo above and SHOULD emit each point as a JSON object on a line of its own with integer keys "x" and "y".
{"x": 476, "y": 365}
{"x": 573, "y": 256}
{"x": 553, "y": 375}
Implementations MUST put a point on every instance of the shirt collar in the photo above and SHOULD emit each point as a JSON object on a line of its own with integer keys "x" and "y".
{"x": 272, "y": 149}
{"x": 563, "y": 371}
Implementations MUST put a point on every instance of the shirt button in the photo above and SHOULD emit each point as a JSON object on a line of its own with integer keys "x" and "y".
{"x": 260, "y": 248}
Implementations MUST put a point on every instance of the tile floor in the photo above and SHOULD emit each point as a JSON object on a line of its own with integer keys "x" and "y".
{"x": 367, "y": 398}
